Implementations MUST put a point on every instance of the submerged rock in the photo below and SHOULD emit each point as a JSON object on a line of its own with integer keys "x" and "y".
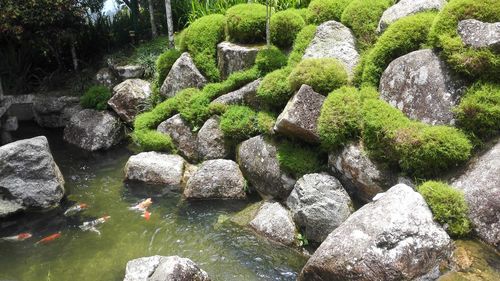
{"x": 274, "y": 222}
{"x": 129, "y": 71}
{"x": 128, "y": 97}
{"x": 182, "y": 136}
{"x": 246, "y": 95}
{"x": 232, "y": 57}
{"x": 405, "y": 8}
{"x": 55, "y": 112}
{"x": 107, "y": 78}
{"x": 211, "y": 141}
{"x": 161, "y": 268}
{"x": 155, "y": 168}
{"x": 182, "y": 75}
{"x": 478, "y": 34}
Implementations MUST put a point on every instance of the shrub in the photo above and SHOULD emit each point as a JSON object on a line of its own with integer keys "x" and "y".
{"x": 269, "y": 59}
{"x": 298, "y": 159}
{"x": 444, "y": 35}
{"x": 241, "y": 122}
{"x": 302, "y": 41}
{"x": 285, "y": 26}
{"x": 96, "y": 97}
{"x": 323, "y": 75}
{"x": 320, "y": 11}
{"x": 302, "y": 13}
{"x": 164, "y": 64}
{"x": 448, "y": 207}
{"x": 246, "y": 23}
{"x": 274, "y": 89}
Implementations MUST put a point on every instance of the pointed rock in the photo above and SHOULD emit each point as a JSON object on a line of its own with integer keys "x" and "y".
{"x": 274, "y": 222}
{"x": 128, "y": 97}
{"x": 182, "y": 75}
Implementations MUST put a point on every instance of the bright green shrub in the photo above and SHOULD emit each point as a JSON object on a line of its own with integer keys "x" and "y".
{"x": 96, "y": 97}
{"x": 323, "y": 75}
{"x": 164, "y": 64}
{"x": 285, "y": 26}
{"x": 302, "y": 41}
{"x": 475, "y": 63}
{"x": 241, "y": 122}
{"x": 298, "y": 159}
{"x": 479, "y": 110}
{"x": 274, "y": 89}
{"x": 302, "y": 13}
{"x": 246, "y": 23}
{"x": 448, "y": 207}
{"x": 269, "y": 59}
{"x": 320, "y": 11}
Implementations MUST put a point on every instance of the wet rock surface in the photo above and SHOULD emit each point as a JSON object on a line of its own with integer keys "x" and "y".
{"x": 478, "y": 34}
{"x": 232, "y": 57}
{"x": 55, "y": 112}
{"x": 128, "y": 98}
{"x": 274, "y": 222}
{"x": 155, "y": 168}
{"x": 161, "y": 268}
{"x": 182, "y": 75}
{"x": 405, "y": 8}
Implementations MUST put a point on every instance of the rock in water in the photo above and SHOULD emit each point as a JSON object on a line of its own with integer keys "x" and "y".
{"x": 319, "y": 204}
{"x": 182, "y": 136}
{"x": 161, "y": 268}
{"x": 155, "y": 168}
{"x": 405, "y": 8}
{"x": 478, "y": 34}
{"x": 94, "y": 130}
{"x": 128, "y": 97}
{"x": 393, "y": 238}
{"x": 216, "y": 179}
{"x": 129, "y": 71}
{"x": 247, "y": 95}
{"x": 274, "y": 222}
{"x": 422, "y": 86}
{"x": 29, "y": 177}
{"x": 481, "y": 186}
{"x": 55, "y": 112}
{"x": 182, "y": 75}
{"x": 107, "y": 78}
{"x": 232, "y": 57}
{"x": 211, "y": 141}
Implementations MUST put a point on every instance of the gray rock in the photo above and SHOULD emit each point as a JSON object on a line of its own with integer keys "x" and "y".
{"x": 246, "y": 95}
{"x": 9, "y": 123}
{"x": 55, "y": 112}
{"x": 161, "y": 268}
{"x": 300, "y": 116}
{"x": 258, "y": 162}
{"x": 274, "y": 222}
{"x": 155, "y": 168}
{"x": 232, "y": 57}
{"x": 405, "y": 8}
{"x": 107, "y": 78}
{"x": 29, "y": 177}
{"x": 478, "y": 34}
{"x": 182, "y": 75}
{"x": 480, "y": 183}
{"x": 94, "y": 130}
{"x": 182, "y": 136}
{"x": 422, "y": 86}
{"x": 334, "y": 40}
{"x": 129, "y": 97}
{"x": 319, "y": 204}
{"x": 393, "y": 238}
{"x": 216, "y": 179}
{"x": 129, "y": 71}
{"x": 211, "y": 141}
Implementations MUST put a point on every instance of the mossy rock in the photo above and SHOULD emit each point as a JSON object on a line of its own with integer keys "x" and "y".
{"x": 323, "y": 75}
{"x": 285, "y": 25}
{"x": 269, "y": 59}
{"x": 320, "y": 11}
{"x": 274, "y": 90}
{"x": 245, "y": 216}
{"x": 246, "y": 23}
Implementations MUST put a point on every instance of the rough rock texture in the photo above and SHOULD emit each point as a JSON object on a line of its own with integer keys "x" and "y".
{"x": 334, "y": 40}
{"x": 274, "y": 222}
{"x": 479, "y": 34}
{"x": 481, "y": 186}
{"x": 129, "y": 71}
{"x": 300, "y": 116}
{"x": 393, "y": 238}
{"x": 155, "y": 168}
{"x": 161, "y": 268}
{"x": 319, "y": 204}
{"x": 94, "y": 130}
{"x": 182, "y": 75}
{"x": 257, "y": 160}
{"x": 232, "y": 57}
{"x": 421, "y": 85}
{"x": 29, "y": 177}
{"x": 246, "y": 95}
{"x": 216, "y": 179}
{"x": 360, "y": 176}
{"x": 55, "y": 112}
{"x": 405, "y": 8}
{"x": 211, "y": 142}
{"x": 106, "y": 77}
{"x": 182, "y": 136}
{"x": 128, "y": 97}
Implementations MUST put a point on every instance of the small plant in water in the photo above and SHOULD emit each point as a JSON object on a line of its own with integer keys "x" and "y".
{"x": 302, "y": 240}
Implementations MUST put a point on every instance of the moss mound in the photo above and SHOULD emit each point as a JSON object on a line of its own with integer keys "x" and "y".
{"x": 241, "y": 122}
{"x": 298, "y": 159}
{"x": 302, "y": 41}
{"x": 320, "y": 11}
{"x": 246, "y": 23}
{"x": 323, "y": 75}
{"x": 96, "y": 97}
{"x": 164, "y": 64}
{"x": 285, "y": 26}
{"x": 274, "y": 89}
{"x": 269, "y": 59}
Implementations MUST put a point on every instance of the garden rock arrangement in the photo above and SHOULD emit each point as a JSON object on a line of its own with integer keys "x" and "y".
{"x": 128, "y": 97}
{"x": 232, "y": 57}
{"x": 479, "y": 34}
{"x": 274, "y": 221}
{"x": 155, "y": 168}
{"x": 182, "y": 75}
{"x": 182, "y": 136}
{"x": 405, "y": 8}
{"x": 171, "y": 268}
{"x": 54, "y": 112}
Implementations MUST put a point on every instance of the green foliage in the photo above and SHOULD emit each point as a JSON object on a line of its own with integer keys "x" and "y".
{"x": 164, "y": 64}
{"x": 298, "y": 159}
{"x": 96, "y": 97}
{"x": 246, "y": 23}
{"x": 241, "y": 122}
{"x": 285, "y": 26}
{"x": 269, "y": 59}
{"x": 448, "y": 207}
{"x": 320, "y": 11}
{"x": 323, "y": 75}
{"x": 304, "y": 37}
{"x": 475, "y": 63}
{"x": 274, "y": 89}
{"x": 201, "y": 8}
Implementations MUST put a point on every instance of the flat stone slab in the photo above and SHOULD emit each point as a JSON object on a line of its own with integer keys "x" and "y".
{"x": 233, "y": 57}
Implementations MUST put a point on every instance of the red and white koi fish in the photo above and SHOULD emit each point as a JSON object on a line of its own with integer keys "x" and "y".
{"x": 146, "y": 215}
{"x": 92, "y": 225}
{"x": 19, "y": 237}
{"x": 144, "y": 205}
{"x": 73, "y": 210}
{"x": 49, "y": 238}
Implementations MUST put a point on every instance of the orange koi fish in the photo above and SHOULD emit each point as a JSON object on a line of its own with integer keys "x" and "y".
{"x": 49, "y": 238}
{"x": 19, "y": 237}
{"x": 146, "y": 215}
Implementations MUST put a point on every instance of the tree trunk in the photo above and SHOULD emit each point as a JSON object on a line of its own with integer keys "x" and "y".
{"x": 1, "y": 89}
{"x": 268, "y": 23}
{"x": 154, "y": 33}
{"x": 170, "y": 24}
{"x": 73, "y": 56}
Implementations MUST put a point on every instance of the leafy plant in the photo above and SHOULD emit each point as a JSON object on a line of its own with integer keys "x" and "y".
{"x": 96, "y": 97}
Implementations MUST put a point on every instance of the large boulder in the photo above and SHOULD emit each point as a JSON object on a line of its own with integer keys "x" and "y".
{"x": 155, "y": 168}
{"x": 274, "y": 222}
{"x": 232, "y": 57}
{"x": 211, "y": 141}
{"x": 300, "y": 117}
{"x": 55, "y": 112}
{"x": 319, "y": 204}
{"x": 393, "y": 238}
{"x": 129, "y": 71}
{"x": 480, "y": 183}
{"x": 405, "y": 8}
{"x": 259, "y": 163}
{"x": 128, "y": 97}
{"x": 478, "y": 34}
{"x": 246, "y": 95}
{"x": 422, "y": 86}
{"x": 94, "y": 130}
{"x": 161, "y": 268}
{"x": 29, "y": 177}
{"x": 182, "y": 75}
{"x": 334, "y": 40}
{"x": 182, "y": 136}
{"x": 106, "y": 77}
{"x": 216, "y": 179}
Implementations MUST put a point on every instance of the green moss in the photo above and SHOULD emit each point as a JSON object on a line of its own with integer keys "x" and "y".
{"x": 298, "y": 159}
{"x": 285, "y": 26}
{"x": 448, "y": 207}
{"x": 246, "y": 23}
{"x": 274, "y": 89}
{"x": 302, "y": 41}
{"x": 164, "y": 64}
{"x": 265, "y": 122}
{"x": 269, "y": 59}
{"x": 323, "y": 75}
{"x": 320, "y": 11}
{"x": 96, "y": 97}
{"x": 241, "y": 122}
{"x": 302, "y": 13}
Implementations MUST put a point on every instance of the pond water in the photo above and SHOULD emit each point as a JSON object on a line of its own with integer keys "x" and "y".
{"x": 176, "y": 227}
